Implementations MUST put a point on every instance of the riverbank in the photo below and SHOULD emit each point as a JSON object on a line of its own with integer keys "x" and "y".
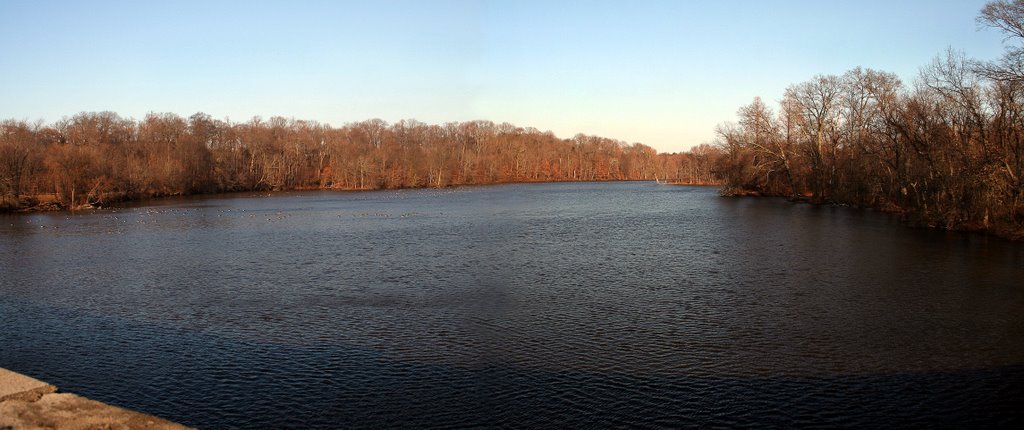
{"x": 28, "y": 403}
{"x": 51, "y": 203}
{"x": 908, "y": 216}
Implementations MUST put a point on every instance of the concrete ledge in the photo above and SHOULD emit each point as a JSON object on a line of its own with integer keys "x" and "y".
{"x": 27, "y": 403}
{"x": 15, "y": 386}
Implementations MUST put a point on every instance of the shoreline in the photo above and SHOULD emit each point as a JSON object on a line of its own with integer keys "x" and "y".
{"x": 26, "y": 402}
{"x": 907, "y": 217}
{"x": 50, "y": 205}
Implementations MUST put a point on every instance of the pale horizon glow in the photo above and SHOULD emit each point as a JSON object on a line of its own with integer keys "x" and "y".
{"x": 659, "y": 73}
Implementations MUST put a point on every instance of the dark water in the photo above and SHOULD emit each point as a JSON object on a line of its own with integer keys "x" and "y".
{"x": 554, "y": 305}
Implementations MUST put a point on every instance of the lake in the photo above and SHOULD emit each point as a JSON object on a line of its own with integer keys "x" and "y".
{"x": 539, "y": 305}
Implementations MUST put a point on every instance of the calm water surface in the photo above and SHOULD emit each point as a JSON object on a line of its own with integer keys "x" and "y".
{"x": 546, "y": 305}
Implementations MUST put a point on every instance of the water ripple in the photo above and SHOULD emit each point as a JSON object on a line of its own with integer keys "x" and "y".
{"x": 555, "y": 305}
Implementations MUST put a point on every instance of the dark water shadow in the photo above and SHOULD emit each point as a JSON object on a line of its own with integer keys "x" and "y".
{"x": 214, "y": 381}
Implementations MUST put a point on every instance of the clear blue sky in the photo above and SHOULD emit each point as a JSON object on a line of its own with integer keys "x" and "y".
{"x": 659, "y": 73}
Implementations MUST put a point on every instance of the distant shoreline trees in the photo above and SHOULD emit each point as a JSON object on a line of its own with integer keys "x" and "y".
{"x": 97, "y": 158}
{"x": 947, "y": 152}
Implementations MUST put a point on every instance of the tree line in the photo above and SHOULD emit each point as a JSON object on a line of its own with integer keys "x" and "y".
{"x": 947, "y": 151}
{"x": 96, "y": 158}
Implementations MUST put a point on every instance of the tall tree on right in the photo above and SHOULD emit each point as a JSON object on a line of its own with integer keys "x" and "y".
{"x": 1005, "y": 146}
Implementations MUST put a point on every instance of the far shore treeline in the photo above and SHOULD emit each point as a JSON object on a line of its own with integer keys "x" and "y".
{"x": 946, "y": 152}
{"x": 97, "y": 158}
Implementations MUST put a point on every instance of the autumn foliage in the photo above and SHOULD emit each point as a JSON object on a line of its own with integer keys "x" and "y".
{"x": 95, "y": 158}
{"x": 946, "y": 152}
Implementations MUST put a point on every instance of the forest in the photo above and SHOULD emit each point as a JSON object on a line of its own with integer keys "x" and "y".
{"x": 947, "y": 151}
{"x": 97, "y": 158}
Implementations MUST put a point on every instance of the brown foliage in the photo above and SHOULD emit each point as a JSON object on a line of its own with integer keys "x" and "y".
{"x": 95, "y": 158}
{"x": 948, "y": 153}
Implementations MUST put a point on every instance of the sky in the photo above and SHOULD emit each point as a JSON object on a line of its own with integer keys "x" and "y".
{"x": 661, "y": 73}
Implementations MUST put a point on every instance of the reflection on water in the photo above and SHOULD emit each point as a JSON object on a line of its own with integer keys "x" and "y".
{"x": 522, "y": 305}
